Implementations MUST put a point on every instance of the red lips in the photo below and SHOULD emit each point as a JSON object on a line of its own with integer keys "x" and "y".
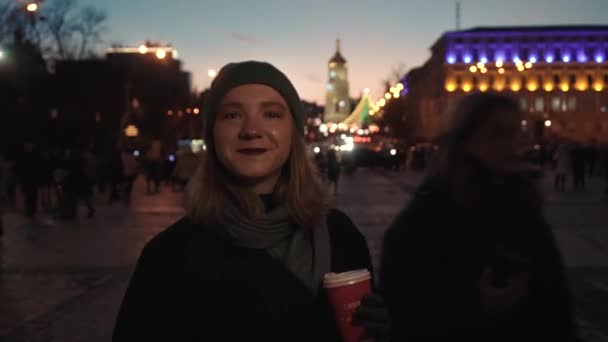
{"x": 252, "y": 151}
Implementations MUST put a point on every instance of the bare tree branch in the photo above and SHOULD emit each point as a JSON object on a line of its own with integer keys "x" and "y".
{"x": 61, "y": 28}
{"x": 90, "y": 28}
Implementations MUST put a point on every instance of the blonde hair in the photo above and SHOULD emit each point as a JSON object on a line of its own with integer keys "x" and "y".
{"x": 299, "y": 186}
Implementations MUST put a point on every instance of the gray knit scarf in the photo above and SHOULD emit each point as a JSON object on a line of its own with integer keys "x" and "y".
{"x": 305, "y": 252}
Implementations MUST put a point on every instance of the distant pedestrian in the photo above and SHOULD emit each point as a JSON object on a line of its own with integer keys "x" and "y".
{"x": 579, "y": 163}
{"x": 593, "y": 157}
{"x": 187, "y": 162}
{"x": 130, "y": 169}
{"x": 153, "y": 167}
{"x": 471, "y": 257}
{"x": 78, "y": 186}
{"x": 605, "y": 158}
{"x": 333, "y": 169}
{"x": 321, "y": 164}
{"x": 29, "y": 173}
{"x": 3, "y": 191}
{"x": 247, "y": 262}
{"x": 563, "y": 162}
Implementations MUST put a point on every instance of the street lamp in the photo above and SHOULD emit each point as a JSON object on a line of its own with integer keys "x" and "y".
{"x": 131, "y": 131}
{"x": 212, "y": 73}
{"x": 161, "y": 54}
{"x": 32, "y": 7}
{"x": 143, "y": 49}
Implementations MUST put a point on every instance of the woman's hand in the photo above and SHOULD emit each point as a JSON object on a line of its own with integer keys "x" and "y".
{"x": 372, "y": 314}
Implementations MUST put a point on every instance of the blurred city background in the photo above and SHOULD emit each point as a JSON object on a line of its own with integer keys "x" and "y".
{"x": 100, "y": 125}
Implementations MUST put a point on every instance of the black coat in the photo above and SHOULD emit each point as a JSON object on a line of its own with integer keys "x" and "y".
{"x": 190, "y": 285}
{"x": 436, "y": 250}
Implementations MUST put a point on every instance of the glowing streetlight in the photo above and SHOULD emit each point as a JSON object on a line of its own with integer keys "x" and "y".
{"x": 143, "y": 49}
{"x": 196, "y": 111}
{"x": 212, "y": 73}
{"x": 131, "y": 131}
{"x": 161, "y": 54}
{"x": 33, "y": 7}
{"x": 548, "y": 123}
{"x": 473, "y": 68}
{"x": 387, "y": 96}
{"x": 1, "y": 54}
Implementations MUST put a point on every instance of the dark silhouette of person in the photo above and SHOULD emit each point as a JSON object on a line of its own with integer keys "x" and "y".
{"x": 579, "y": 162}
{"x": 78, "y": 186}
{"x": 593, "y": 155}
{"x": 471, "y": 257}
{"x": 333, "y": 169}
{"x": 28, "y": 172}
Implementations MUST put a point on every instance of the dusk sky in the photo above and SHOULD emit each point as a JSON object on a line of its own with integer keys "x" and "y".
{"x": 298, "y": 36}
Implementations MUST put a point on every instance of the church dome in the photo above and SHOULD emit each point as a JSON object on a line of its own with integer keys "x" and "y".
{"x": 337, "y": 58}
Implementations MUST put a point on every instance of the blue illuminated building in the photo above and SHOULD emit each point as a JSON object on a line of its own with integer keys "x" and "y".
{"x": 558, "y": 73}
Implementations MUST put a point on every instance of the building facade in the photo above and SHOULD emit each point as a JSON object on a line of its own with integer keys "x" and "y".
{"x": 132, "y": 86}
{"x": 337, "y": 100}
{"x": 559, "y": 74}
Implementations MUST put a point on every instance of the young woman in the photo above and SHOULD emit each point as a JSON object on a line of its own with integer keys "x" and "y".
{"x": 247, "y": 261}
{"x": 472, "y": 257}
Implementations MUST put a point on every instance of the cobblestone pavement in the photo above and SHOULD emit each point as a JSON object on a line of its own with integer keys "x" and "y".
{"x": 64, "y": 281}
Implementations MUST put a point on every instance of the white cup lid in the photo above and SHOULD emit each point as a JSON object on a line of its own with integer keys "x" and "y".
{"x": 345, "y": 278}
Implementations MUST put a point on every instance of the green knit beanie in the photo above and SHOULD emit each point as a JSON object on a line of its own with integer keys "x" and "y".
{"x": 250, "y": 72}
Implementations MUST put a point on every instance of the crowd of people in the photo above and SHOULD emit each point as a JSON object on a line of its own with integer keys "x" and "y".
{"x": 576, "y": 163}
{"x": 59, "y": 181}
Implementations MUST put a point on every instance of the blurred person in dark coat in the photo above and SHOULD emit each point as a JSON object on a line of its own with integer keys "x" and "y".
{"x": 471, "y": 257}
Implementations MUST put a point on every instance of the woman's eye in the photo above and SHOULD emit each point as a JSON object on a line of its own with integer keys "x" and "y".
{"x": 273, "y": 114}
{"x": 230, "y": 115}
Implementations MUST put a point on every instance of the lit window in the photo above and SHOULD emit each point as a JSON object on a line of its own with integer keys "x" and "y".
{"x": 572, "y": 104}
{"x": 539, "y": 104}
{"x": 523, "y": 103}
{"x": 555, "y": 104}
{"x": 332, "y": 74}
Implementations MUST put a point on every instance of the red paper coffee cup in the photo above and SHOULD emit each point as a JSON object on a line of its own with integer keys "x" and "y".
{"x": 345, "y": 291}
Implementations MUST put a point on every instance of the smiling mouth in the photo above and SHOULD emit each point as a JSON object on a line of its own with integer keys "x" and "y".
{"x": 252, "y": 151}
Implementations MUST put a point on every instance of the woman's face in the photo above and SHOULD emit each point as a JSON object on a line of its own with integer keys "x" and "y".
{"x": 499, "y": 143}
{"x": 252, "y": 135}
